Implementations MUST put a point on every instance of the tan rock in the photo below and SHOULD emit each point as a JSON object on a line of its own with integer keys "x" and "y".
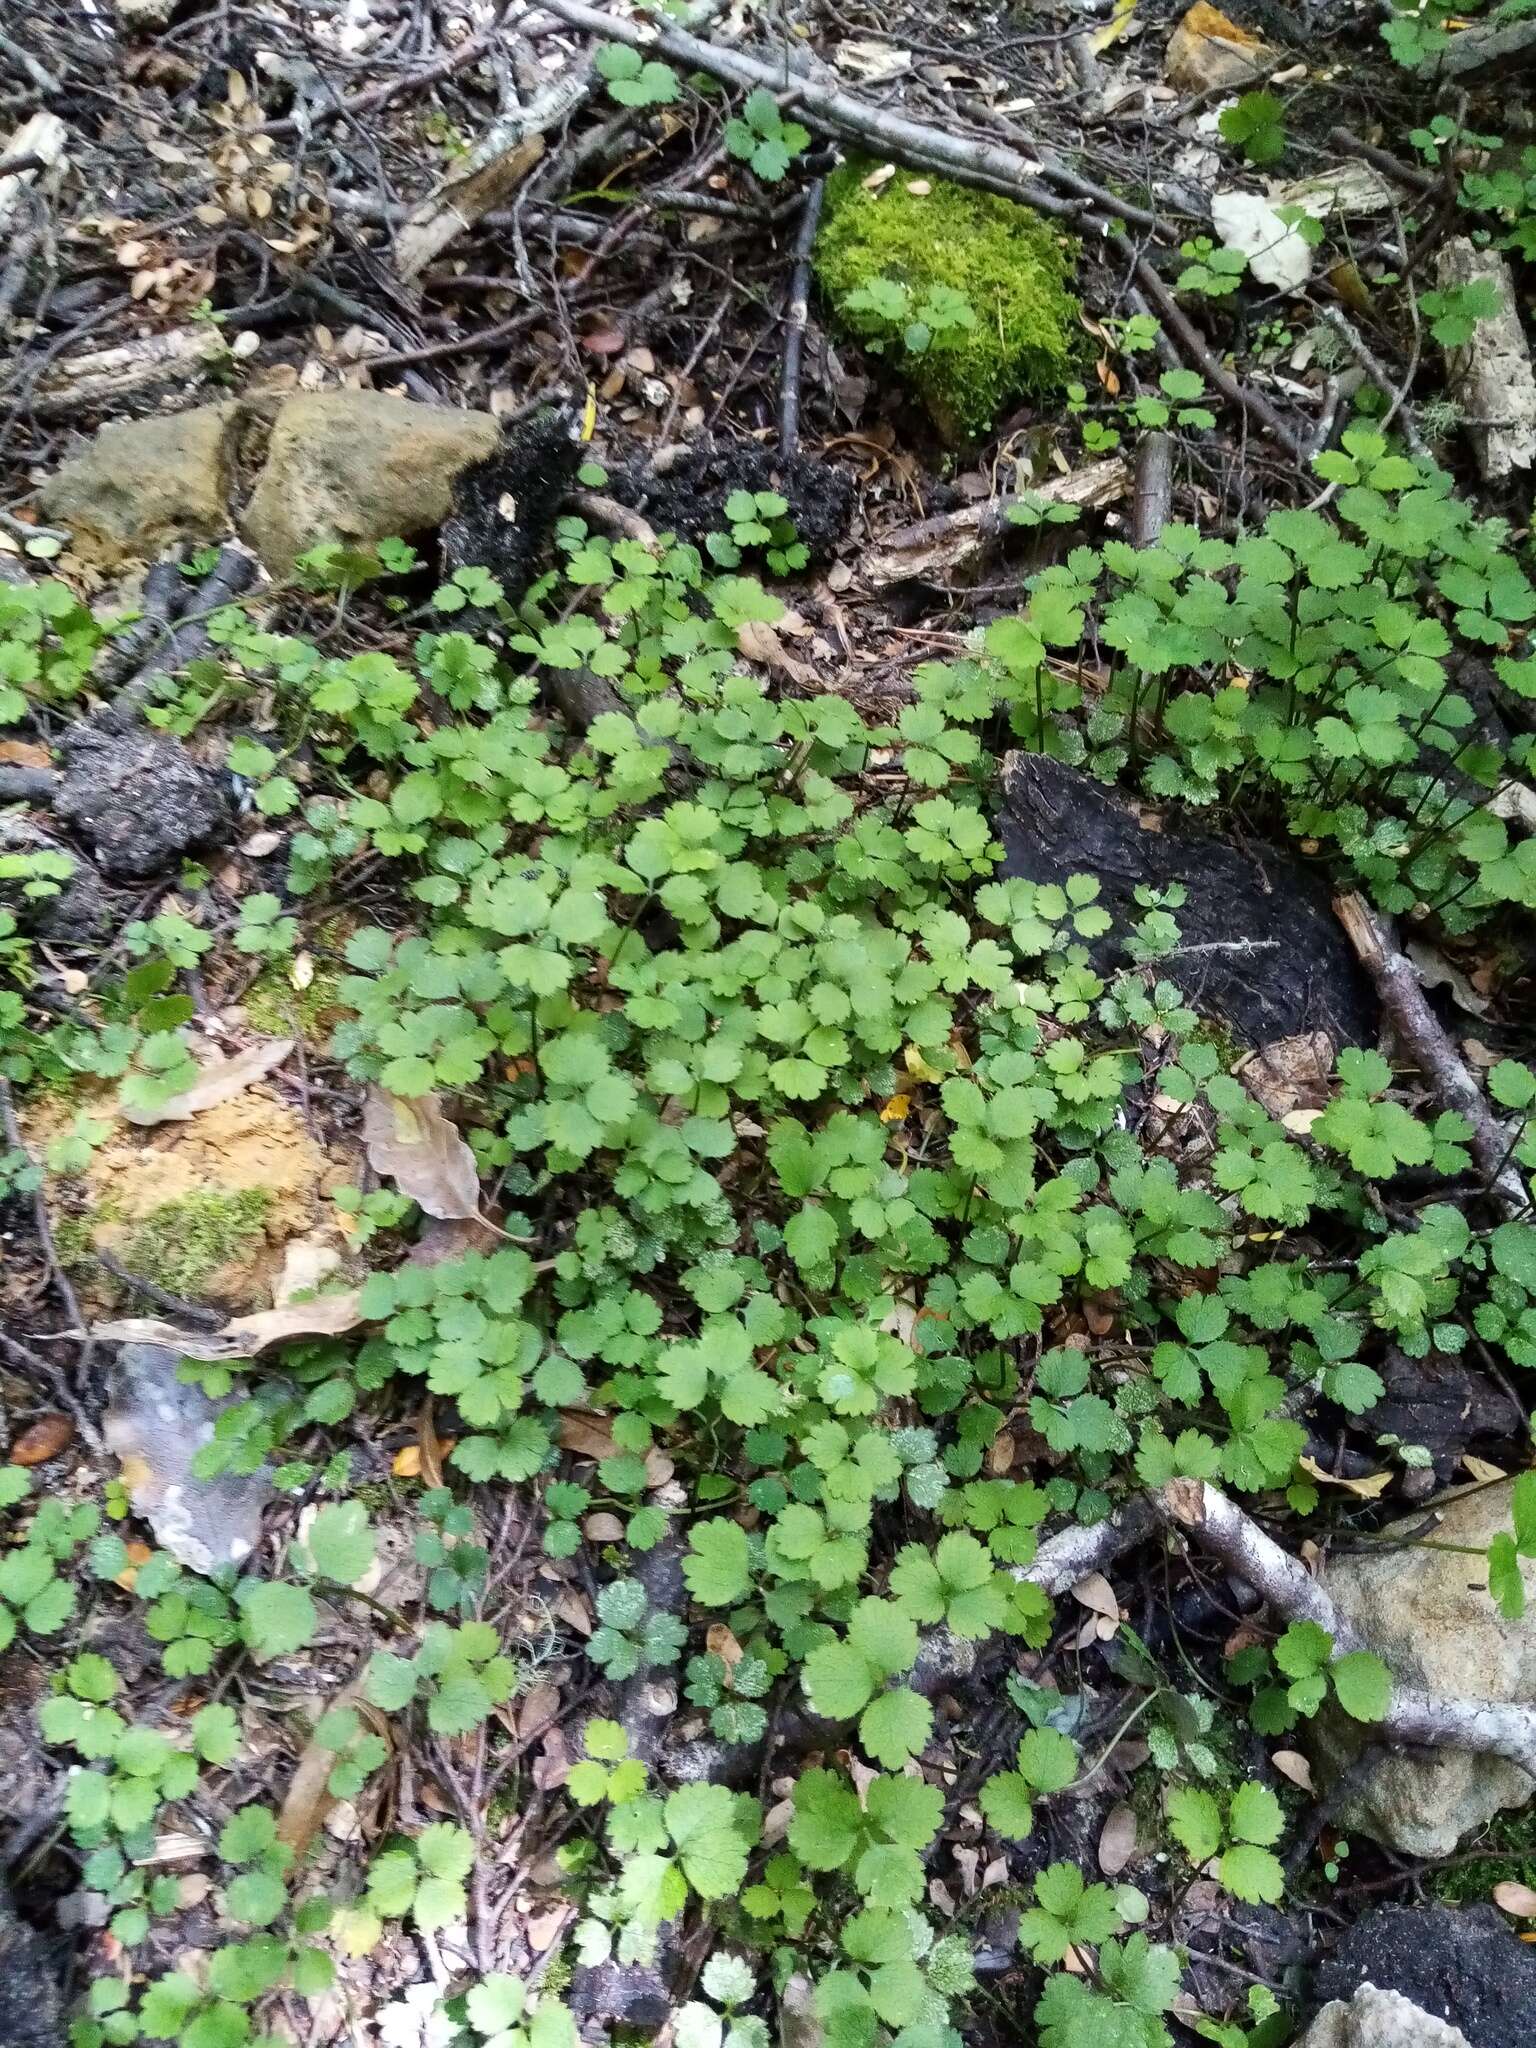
{"x": 140, "y": 485}
{"x": 205, "y": 1208}
{"x": 1429, "y": 1614}
{"x": 359, "y": 466}
{"x": 1379, "y": 2019}
{"x": 1207, "y": 52}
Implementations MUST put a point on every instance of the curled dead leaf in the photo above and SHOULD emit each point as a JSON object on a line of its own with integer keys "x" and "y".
{"x": 413, "y": 1143}
{"x": 1117, "y": 1840}
{"x": 216, "y": 1083}
{"x": 1371, "y": 1487}
{"x": 1290, "y": 1763}
{"x": 330, "y": 1315}
{"x": 1519, "y": 1899}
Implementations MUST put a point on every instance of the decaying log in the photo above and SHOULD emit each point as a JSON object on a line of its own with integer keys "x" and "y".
{"x": 99, "y": 379}
{"x": 39, "y": 142}
{"x": 936, "y": 548}
{"x": 1491, "y": 374}
{"x": 1423, "y": 1037}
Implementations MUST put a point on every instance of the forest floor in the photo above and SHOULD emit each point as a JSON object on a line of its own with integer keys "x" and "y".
{"x": 767, "y": 868}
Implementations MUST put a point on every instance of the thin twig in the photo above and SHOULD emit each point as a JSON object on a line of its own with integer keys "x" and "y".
{"x": 795, "y": 320}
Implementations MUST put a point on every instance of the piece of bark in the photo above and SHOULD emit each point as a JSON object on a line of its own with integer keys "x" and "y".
{"x": 936, "y": 548}
{"x": 42, "y": 136}
{"x": 1153, "y": 502}
{"x": 99, "y": 379}
{"x": 1491, "y": 375}
{"x": 1423, "y": 1036}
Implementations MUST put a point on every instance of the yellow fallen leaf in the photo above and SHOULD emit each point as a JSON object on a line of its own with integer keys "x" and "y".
{"x": 1121, "y": 17}
{"x": 1371, "y": 1487}
{"x": 896, "y": 1109}
{"x": 916, "y": 1065}
{"x": 407, "y": 1462}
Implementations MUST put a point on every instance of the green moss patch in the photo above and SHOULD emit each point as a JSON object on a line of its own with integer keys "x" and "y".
{"x": 183, "y": 1243}
{"x": 1009, "y": 264}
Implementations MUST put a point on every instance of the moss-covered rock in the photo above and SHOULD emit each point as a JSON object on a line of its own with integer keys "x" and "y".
{"x": 1012, "y": 268}
{"x": 183, "y": 1243}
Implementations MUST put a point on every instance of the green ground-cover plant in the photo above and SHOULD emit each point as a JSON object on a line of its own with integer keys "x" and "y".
{"x": 811, "y": 1135}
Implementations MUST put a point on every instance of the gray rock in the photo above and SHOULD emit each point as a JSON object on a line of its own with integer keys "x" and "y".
{"x": 1465, "y": 1968}
{"x": 138, "y": 799}
{"x": 155, "y": 1427}
{"x": 359, "y": 466}
{"x": 1428, "y": 1613}
{"x": 1379, "y": 2019}
{"x": 139, "y": 485}
{"x": 31, "y": 2010}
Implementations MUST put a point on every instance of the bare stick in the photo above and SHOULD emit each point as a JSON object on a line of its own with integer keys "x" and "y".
{"x": 1217, "y": 1524}
{"x": 1422, "y": 1035}
{"x": 973, "y": 161}
{"x": 795, "y": 320}
{"x": 1382, "y": 378}
{"x": 1070, "y": 1555}
{"x": 936, "y": 547}
{"x": 1190, "y": 339}
{"x": 1153, "y": 502}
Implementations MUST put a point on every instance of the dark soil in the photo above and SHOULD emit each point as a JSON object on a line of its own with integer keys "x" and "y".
{"x": 1466, "y": 1967}
{"x": 1290, "y": 971}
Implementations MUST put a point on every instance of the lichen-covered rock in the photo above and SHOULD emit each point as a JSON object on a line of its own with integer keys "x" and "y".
{"x": 1010, "y": 267}
{"x": 156, "y": 1425}
{"x": 1428, "y": 1613}
{"x": 137, "y": 799}
{"x": 359, "y": 466}
{"x": 1379, "y": 2019}
{"x": 139, "y": 485}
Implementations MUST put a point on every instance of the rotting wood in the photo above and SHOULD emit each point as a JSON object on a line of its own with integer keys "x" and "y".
{"x": 1491, "y": 374}
{"x": 101, "y": 378}
{"x": 38, "y": 145}
{"x": 1424, "y": 1038}
{"x": 933, "y": 549}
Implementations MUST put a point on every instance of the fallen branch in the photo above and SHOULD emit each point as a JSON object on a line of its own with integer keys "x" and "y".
{"x": 1423, "y": 1037}
{"x": 502, "y": 158}
{"x": 1381, "y": 377}
{"x": 1153, "y": 502}
{"x": 1193, "y": 342}
{"x": 99, "y": 379}
{"x": 1491, "y": 373}
{"x": 795, "y": 320}
{"x": 991, "y": 166}
{"x": 1219, "y": 1525}
{"x": 934, "y": 548}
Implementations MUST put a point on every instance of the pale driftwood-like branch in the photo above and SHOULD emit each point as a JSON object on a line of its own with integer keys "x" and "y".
{"x": 106, "y": 375}
{"x": 503, "y": 157}
{"x": 993, "y": 166}
{"x": 38, "y": 144}
{"x": 935, "y": 548}
{"x": 1219, "y": 1525}
{"x": 1422, "y": 1035}
{"x": 1072, "y": 1553}
{"x": 1486, "y": 43}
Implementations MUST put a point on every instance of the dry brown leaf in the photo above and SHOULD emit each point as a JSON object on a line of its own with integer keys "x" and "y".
{"x": 1117, "y": 1840}
{"x": 588, "y": 1436}
{"x": 1290, "y": 1763}
{"x": 307, "y": 1799}
{"x": 24, "y": 754}
{"x": 414, "y": 1144}
{"x": 216, "y": 1083}
{"x": 331, "y": 1315}
{"x": 1480, "y": 1469}
{"x": 1371, "y": 1487}
{"x": 1094, "y": 1592}
{"x": 759, "y": 642}
{"x": 42, "y": 1440}
{"x": 1515, "y": 1898}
